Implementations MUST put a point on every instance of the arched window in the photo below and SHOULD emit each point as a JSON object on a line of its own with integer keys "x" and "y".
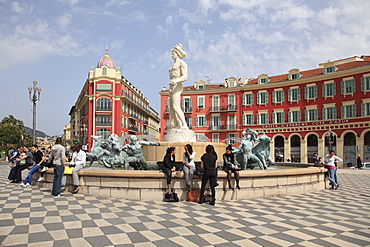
{"x": 295, "y": 148}
{"x": 103, "y": 104}
{"x": 295, "y": 141}
{"x": 103, "y": 132}
{"x": 312, "y": 141}
{"x": 350, "y": 139}
{"x": 312, "y": 147}
{"x": 104, "y": 70}
{"x": 367, "y": 138}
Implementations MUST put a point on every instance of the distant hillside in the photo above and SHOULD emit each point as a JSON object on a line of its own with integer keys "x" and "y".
{"x": 38, "y": 132}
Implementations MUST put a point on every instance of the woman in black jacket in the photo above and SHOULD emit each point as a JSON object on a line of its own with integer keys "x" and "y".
{"x": 230, "y": 166}
{"x": 209, "y": 166}
{"x": 169, "y": 165}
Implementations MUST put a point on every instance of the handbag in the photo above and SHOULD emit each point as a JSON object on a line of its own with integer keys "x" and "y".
{"x": 171, "y": 197}
{"x": 193, "y": 195}
{"x": 198, "y": 171}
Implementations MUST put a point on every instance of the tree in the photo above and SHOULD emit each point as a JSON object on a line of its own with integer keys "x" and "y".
{"x": 13, "y": 133}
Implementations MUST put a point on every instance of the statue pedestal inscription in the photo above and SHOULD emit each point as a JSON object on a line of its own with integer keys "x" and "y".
{"x": 180, "y": 135}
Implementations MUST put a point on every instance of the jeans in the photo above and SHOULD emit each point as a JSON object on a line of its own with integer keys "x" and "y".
{"x": 188, "y": 172}
{"x": 332, "y": 176}
{"x": 57, "y": 182}
{"x": 76, "y": 180}
{"x": 30, "y": 174}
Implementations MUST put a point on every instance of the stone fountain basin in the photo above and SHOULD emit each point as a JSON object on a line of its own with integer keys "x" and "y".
{"x": 149, "y": 185}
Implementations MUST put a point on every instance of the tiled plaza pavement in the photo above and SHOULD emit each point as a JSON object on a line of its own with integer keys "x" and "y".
{"x": 31, "y": 217}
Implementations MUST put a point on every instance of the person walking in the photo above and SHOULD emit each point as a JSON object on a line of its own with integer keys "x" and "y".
{"x": 169, "y": 165}
{"x": 329, "y": 161}
{"x": 78, "y": 161}
{"x": 359, "y": 163}
{"x": 57, "y": 156}
{"x": 209, "y": 166}
{"x": 189, "y": 165}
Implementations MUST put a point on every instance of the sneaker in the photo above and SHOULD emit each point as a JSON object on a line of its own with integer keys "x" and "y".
{"x": 76, "y": 189}
{"x": 9, "y": 181}
{"x": 22, "y": 185}
{"x": 27, "y": 185}
{"x": 59, "y": 196}
{"x": 44, "y": 169}
{"x": 40, "y": 179}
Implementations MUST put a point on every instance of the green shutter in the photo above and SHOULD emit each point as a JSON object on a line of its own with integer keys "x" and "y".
{"x": 343, "y": 111}
{"x": 315, "y": 92}
{"x": 274, "y": 96}
{"x": 354, "y": 110}
{"x": 252, "y": 98}
{"x": 258, "y": 98}
{"x": 266, "y": 97}
{"x": 335, "y": 88}
{"x": 324, "y": 113}
{"x": 353, "y": 86}
{"x": 324, "y": 90}
{"x": 316, "y": 111}
{"x": 289, "y": 94}
{"x": 306, "y": 113}
{"x": 289, "y": 116}
{"x": 342, "y": 87}
{"x": 362, "y": 84}
{"x": 197, "y": 121}
{"x": 306, "y": 90}
{"x": 363, "y": 105}
{"x": 244, "y": 100}
{"x": 274, "y": 117}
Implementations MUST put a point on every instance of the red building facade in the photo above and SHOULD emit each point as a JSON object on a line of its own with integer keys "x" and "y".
{"x": 302, "y": 111}
{"x": 108, "y": 103}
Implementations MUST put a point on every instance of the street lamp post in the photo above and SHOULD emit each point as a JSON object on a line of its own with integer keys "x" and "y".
{"x": 34, "y": 98}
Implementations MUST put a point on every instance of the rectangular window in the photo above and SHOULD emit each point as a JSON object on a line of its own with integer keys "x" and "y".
{"x": 103, "y": 87}
{"x": 248, "y": 119}
{"x": 348, "y": 86}
{"x": 215, "y": 122}
{"x": 278, "y": 96}
{"x": 329, "y": 70}
{"x": 215, "y": 137}
{"x": 231, "y": 138}
{"x": 311, "y": 115}
{"x": 310, "y": 92}
{"x": 294, "y": 94}
{"x": 365, "y": 83}
{"x": 348, "y": 111}
{"x": 215, "y": 103}
{"x": 329, "y": 113}
{"x": 189, "y": 122}
{"x": 201, "y": 121}
{"x": 294, "y": 76}
{"x": 231, "y": 122}
{"x": 248, "y": 99}
{"x": 262, "y": 118}
{"x": 278, "y": 117}
{"x": 186, "y": 104}
{"x": 329, "y": 89}
{"x": 263, "y": 80}
{"x": 103, "y": 120}
{"x": 231, "y": 106}
{"x": 294, "y": 116}
{"x": 200, "y": 102}
{"x": 365, "y": 109}
{"x": 262, "y": 98}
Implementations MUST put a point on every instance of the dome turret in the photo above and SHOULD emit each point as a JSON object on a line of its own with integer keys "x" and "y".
{"x": 106, "y": 60}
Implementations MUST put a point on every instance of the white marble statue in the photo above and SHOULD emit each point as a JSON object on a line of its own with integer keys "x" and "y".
{"x": 178, "y": 74}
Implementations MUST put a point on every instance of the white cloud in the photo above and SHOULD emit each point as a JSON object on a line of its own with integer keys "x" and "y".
{"x": 64, "y": 21}
{"x": 70, "y": 2}
{"x": 118, "y": 3}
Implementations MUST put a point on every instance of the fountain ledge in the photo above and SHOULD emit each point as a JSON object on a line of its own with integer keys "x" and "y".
{"x": 149, "y": 185}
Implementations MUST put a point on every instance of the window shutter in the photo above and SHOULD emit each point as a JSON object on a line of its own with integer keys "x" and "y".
{"x": 306, "y": 113}
{"x": 289, "y": 116}
{"x": 335, "y": 88}
{"x": 353, "y": 110}
{"x": 299, "y": 93}
{"x": 258, "y": 98}
{"x": 266, "y": 98}
{"x": 353, "y": 85}
{"x": 342, "y": 86}
{"x": 283, "y": 117}
{"x": 306, "y": 90}
{"x": 274, "y": 96}
{"x": 190, "y": 103}
{"x": 316, "y": 114}
{"x": 363, "y": 105}
{"x": 244, "y": 99}
{"x": 315, "y": 91}
{"x": 183, "y": 104}
{"x": 289, "y": 94}
{"x": 274, "y": 117}
{"x": 324, "y": 114}
{"x": 251, "y": 99}
{"x": 343, "y": 111}
{"x": 362, "y": 84}
{"x": 324, "y": 90}
{"x": 197, "y": 121}
{"x": 299, "y": 116}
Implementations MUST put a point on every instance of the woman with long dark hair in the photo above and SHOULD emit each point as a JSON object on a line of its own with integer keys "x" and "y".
{"x": 209, "y": 166}
{"x": 230, "y": 166}
{"x": 189, "y": 165}
{"x": 169, "y": 165}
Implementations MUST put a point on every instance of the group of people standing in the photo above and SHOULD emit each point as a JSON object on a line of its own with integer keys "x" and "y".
{"x": 208, "y": 165}
{"x": 38, "y": 160}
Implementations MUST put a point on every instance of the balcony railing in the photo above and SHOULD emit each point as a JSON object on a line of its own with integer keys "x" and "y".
{"x": 223, "y": 108}
{"x": 133, "y": 129}
{"x": 223, "y": 127}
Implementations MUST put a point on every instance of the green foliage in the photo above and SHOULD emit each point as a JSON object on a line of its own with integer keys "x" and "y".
{"x": 12, "y": 133}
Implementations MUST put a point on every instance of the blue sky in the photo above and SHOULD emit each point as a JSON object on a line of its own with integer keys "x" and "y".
{"x": 56, "y": 42}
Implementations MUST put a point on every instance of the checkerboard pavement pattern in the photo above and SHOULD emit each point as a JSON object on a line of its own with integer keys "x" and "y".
{"x": 32, "y": 217}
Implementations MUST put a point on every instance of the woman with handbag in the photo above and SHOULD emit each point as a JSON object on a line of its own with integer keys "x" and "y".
{"x": 169, "y": 165}
{"x": 189, "y": 165}
{"x": 230, "y": 166}
{"x": 209, "y": 166}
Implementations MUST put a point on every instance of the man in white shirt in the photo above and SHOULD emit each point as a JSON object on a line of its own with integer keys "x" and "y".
{"x": 78, "y": 161}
